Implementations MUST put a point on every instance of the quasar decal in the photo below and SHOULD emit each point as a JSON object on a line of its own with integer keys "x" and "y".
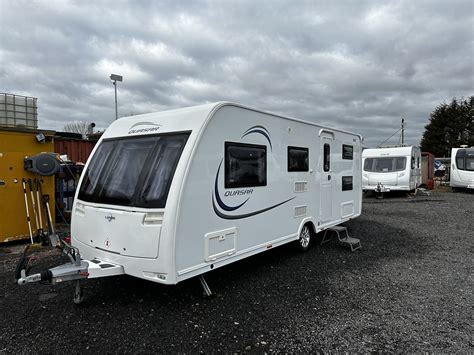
{"x": 154, "y": 127}
{"x": 261, "y": 130}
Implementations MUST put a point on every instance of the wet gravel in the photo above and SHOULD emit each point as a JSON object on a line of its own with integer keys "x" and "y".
{"x": 410, "y": 289}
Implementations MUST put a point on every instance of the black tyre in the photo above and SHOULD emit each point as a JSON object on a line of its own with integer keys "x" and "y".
{"x": 304, "y": 239}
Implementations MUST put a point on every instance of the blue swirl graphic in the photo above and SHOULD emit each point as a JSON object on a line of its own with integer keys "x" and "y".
{"x": 218, "y": 198}
{"x": 261, "y": 130}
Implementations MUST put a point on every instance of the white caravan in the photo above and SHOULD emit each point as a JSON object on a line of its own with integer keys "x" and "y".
{"x": 171, "y": 195}
{"x": 391, "y": 169}
{"x": 462, "y": 168}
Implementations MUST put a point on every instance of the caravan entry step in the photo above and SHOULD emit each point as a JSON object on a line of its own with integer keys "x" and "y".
{"x": 343, "y": 236}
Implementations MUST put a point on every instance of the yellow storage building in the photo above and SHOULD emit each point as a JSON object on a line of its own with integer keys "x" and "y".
{"x": 15, "y": 145}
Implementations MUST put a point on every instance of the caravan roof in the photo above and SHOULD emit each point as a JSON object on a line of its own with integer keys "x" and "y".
{"x": 192, "y": 118}
{"x": 393, "y": 151}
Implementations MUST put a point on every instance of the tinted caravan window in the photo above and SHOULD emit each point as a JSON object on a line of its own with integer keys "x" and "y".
{"x": 347, "y": 152}
{"x": 385, "y": 165}
{"x": 245, "y": 165}
{"x": 298, "y": 159}
{"x": 133, "y": 172}
{"x": 346, "y": 183}
{"x": 465, "y": 159}
{"x": 327, "y": 157}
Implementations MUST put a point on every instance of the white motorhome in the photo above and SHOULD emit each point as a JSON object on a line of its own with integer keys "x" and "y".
{"x": 391, "y": 169}
{"x": 171, "y": 195}
{"x": 462, "y": 168}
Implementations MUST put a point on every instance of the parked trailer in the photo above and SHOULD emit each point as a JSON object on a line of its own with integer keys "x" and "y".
{"x": 172, "y": 195}
{"x": 462, "y": 168}
{"x": 391, "y": 169}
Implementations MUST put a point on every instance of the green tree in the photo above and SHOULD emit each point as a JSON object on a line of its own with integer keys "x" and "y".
{"x": 450, "y": 126}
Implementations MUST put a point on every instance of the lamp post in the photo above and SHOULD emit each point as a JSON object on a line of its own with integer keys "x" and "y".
{"x": 115, "y": 78}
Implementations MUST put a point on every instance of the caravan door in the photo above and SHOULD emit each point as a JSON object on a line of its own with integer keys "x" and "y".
{"x": 326, "y": 180}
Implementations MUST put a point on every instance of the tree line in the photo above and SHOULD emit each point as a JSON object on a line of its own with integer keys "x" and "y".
{"x": 450, "y": 125}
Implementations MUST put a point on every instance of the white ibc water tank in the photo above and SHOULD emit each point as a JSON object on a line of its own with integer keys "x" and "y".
{"x": 18, "y": 111}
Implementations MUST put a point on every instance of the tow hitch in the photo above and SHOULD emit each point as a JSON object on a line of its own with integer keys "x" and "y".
{"x": 380, "y": 189}
{"x": 76, "y": 270}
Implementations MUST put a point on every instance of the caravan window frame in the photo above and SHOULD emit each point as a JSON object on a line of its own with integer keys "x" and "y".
{"x": 238, "y": 181}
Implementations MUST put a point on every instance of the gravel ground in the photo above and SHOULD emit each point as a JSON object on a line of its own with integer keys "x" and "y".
{"x": 410, "y": 289}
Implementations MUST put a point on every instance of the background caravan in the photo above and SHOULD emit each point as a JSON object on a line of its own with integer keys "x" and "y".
{"x": 391, "y": 169}
{"x": 171, "y": 195}
{"x": 462, "y": 168}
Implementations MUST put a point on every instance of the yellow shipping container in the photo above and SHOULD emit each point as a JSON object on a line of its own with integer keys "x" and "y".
{"x": 15, "y": 145}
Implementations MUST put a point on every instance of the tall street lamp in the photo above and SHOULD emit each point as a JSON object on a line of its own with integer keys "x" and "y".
{"x": 115, "y": 78}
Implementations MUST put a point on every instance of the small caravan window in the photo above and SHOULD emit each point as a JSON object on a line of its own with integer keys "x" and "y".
{"x": 245, "y": 165}
{"x": 347, "y": 152}
{"x": 346, "y": 183}
{"x": 327, "y": 156}
{"x": 418, "y": 162}
{"x": 134, "y": 171}
{"x": 413, "y": 162}
{"x": 298, "y": 159}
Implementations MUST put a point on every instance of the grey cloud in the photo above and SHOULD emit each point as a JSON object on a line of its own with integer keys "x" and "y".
{"x": 359, "y": 66}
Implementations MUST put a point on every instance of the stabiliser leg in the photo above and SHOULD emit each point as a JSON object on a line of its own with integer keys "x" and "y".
{"x": 205, "y": 287}
{"x": 78, "y": 293}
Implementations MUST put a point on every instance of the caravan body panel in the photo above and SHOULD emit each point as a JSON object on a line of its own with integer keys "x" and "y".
{"x": 246, "y": 181}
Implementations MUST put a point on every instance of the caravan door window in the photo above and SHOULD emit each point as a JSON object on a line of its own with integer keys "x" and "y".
{"x": 327, "y": 157}
{"x": 133, "y": 171}
{"x": 245, "y": 165}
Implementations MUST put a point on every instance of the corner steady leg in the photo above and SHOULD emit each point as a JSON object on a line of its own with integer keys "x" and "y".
{"x": 205, "y": 287}
{"x": 78, "y": 294}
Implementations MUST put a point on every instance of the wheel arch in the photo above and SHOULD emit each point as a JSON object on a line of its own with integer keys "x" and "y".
{"x": 310, "y": 222}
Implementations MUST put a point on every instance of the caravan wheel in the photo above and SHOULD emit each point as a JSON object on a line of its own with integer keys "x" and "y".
{"x": 305, "y": 238}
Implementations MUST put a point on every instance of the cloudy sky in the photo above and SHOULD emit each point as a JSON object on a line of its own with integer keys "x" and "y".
{"x": 355, "y": 65}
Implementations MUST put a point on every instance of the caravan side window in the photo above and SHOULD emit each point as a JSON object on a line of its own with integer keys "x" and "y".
{"x": 245, "y": 165}
{"x": 346, "y": 183}
{"x": 298, "y": 159}
{"x": 327, "y": 155}
{"x": 413, "y": 162}
{"x": 347, "y": 152}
